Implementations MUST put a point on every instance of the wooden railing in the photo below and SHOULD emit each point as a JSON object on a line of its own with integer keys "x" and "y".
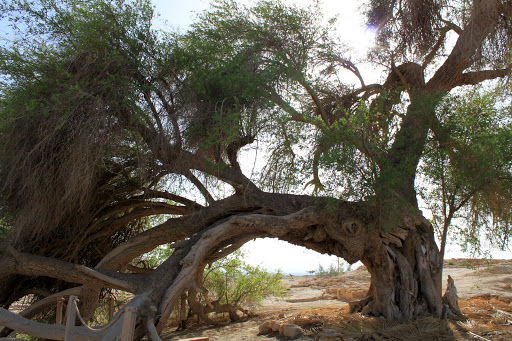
{"x": 129, "y": 315}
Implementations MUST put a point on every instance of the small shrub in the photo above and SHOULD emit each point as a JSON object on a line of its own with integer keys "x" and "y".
{"x": 333, "y": 270}
{"x": 235, "y": 282}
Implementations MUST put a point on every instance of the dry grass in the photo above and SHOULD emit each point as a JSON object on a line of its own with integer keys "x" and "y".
{"x": 357, "y": 327}
{"x": 488, "y": 318}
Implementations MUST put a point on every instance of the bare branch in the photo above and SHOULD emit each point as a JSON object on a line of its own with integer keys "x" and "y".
{"x": 347, "y": 64}
{"x": 113, "y": 282}
{"x": 452, "y": 26}
{"x": 279, "y": 101}
{"x": 199, "y": 185}
{"x": 32, "y": 265}
{"x": 149, "y": 193}
{"x": 315, "y": 99}
{"x": 429, "y": 57}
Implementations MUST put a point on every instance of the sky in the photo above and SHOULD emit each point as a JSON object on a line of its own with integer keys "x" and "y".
{"x": 272, "y": 253}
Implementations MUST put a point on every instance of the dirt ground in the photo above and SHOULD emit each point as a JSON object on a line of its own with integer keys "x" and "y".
{"x": 318, "y": 303}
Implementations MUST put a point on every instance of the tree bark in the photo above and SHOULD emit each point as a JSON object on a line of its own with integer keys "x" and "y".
{"x": 404, "y": 277}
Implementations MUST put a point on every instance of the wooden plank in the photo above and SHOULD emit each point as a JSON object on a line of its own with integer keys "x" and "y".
{"x": 130, "y": 314}
{"x": 60, "y": 305}
{"x": 110, "y": 308}
{"x": 70, "y": 318}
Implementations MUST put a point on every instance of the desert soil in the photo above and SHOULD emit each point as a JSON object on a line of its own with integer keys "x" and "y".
{"x": 316, "y": 303}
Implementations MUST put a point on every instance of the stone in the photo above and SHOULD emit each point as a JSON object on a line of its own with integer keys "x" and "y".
{"x": 350, "y": 294}
{"x": 292, "y": 331}
{"x": 329, "y": 335}
{"x": 276, "y": 326}
{"x": 265, "y": 328}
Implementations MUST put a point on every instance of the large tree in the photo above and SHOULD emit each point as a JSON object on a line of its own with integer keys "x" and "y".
{"x": 117, "y": 139}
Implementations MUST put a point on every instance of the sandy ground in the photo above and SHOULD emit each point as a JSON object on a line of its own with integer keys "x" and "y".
{"x": 482, "y": 288}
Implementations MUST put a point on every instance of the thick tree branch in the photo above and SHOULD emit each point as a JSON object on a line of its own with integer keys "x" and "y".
{"x": 473, "y": 78}
{"x": 139, "y": 202}
{"x": 37, "y": 329}
{"x": 483, "y": 20}
{"x": 275, "y": 226}
{"x": 31, "y": 265}
{"x": 235, "y": 146}
{"x": 172, "y": 230}
{"x": 110, "y": 225}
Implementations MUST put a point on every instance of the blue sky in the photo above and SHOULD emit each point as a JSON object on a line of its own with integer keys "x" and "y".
{"x": 179, "y": 13}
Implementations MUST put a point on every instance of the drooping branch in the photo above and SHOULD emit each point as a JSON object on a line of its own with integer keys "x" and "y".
{"x": 150, "y": 193}
{"x": 32, "y": 265}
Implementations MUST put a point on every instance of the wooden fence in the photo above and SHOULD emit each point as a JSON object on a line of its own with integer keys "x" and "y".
{"x": 129, "y": 315}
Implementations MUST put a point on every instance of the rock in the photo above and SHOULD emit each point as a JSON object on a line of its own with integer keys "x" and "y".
{"x": 329, "y": 335}
{"x": 292, "y": 331}
{"x": 265, "y": 328}
{"x": 350, "y": 294}
{"x": 276, "y": 326}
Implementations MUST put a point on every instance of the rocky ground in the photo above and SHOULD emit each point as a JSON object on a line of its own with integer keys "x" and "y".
{"x": 318, "y": 304}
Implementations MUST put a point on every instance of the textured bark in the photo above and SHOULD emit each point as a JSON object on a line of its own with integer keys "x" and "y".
{"x": 403, "y": 284}
{"x": 403, "y": 261}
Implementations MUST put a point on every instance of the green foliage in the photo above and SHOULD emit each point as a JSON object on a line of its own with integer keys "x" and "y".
{"x": 238, "y": 283}
{"x": 270, "y": 52}
{"x": 332, "y": 271}
{"x": 154, "y": 258}
{"x": 69, "y": 92}
{"x": 469, "y": 181}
